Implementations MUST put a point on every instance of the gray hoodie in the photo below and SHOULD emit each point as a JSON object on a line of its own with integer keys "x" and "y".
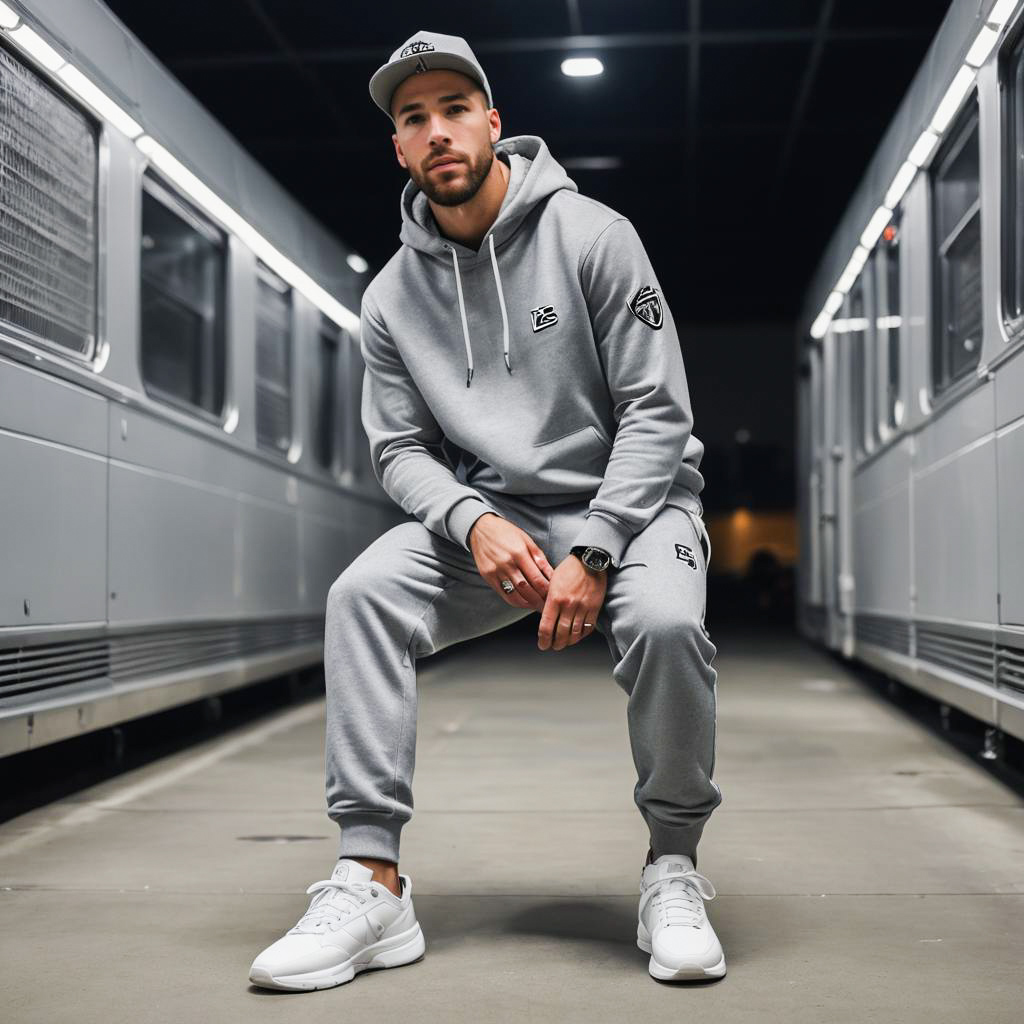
{"x": 545, "y": 365}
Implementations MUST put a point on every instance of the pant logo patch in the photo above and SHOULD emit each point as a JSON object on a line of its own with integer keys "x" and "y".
{"x": 686, "y": 554}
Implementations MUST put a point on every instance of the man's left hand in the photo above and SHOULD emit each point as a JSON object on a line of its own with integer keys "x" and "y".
{"x": 575, "y": 595}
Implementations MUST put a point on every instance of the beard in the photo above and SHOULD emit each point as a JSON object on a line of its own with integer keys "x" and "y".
{"x": 459, "y": 186}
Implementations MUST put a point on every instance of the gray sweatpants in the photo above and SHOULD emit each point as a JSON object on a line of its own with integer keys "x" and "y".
{"x": 412, "y": 593}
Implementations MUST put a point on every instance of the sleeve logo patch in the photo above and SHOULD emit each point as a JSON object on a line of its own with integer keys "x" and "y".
{"x": 646, "y": 307}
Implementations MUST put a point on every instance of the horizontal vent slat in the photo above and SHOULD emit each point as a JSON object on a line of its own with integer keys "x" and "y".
{"x": 135, "y": 656}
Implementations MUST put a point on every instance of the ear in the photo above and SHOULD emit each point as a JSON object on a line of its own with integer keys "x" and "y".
{"x": 495, "y": 121}
{"x": 398, "y": 151}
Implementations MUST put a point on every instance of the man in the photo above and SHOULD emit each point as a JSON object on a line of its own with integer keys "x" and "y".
{"x": 573, "y": 445}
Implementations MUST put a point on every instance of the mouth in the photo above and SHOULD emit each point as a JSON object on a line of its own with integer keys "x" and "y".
{"x": 445, "y": 165}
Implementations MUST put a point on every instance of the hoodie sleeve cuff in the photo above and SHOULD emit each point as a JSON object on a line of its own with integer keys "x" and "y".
{"x": 600, "y": 532}
{"x": 463, "y": 515}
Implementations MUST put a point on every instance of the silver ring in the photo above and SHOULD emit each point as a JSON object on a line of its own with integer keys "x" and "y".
{"x": 508, "y": 586}
{"x": 588, "y": 624}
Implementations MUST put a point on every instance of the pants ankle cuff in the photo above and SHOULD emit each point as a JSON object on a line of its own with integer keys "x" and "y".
{"x": 370, "y": 835}
{"x": 666, "y": 839}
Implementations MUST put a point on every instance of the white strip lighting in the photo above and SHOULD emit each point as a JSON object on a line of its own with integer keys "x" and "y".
{"x": 34, "y": 44}
{"x": 853, "y": 268}
{"x": 923, "y": 148}
{"x": 978, "y": 53}
{"x": 958, "y": 89}
{"x": 1000, "y": 13}
{"x": 236, "y": 224}
{"x": 982, "y": 47}
{"x": 900, "y": 184}
{"x": 875, "y": 227}
{"x": 99, "y": 101}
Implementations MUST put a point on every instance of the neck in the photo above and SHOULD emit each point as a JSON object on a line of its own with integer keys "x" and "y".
{"x": 469, "y": 222}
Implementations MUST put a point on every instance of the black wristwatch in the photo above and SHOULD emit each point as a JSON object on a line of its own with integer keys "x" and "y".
{"x": 593, "y": 558}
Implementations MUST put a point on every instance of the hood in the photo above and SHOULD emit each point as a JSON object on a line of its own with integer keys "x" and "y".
{"x": 534, "y": 175}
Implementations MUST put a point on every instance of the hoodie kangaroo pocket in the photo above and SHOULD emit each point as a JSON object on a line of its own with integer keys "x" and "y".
{"x": 575, "y": 461}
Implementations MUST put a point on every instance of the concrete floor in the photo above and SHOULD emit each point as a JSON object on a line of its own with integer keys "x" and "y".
{"x": 866, "y": 871}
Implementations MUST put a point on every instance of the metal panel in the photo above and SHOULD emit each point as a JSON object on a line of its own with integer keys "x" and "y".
{"x": 172, "y": 547}
{"x": 1010, "y": 455}
{"x": 881, "y": 533}
{"x": 49, "y": 408}
{"x": 955, "y": 552}
{"x": 53, "y": 533}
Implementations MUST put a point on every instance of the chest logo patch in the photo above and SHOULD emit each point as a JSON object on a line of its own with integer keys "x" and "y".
{"x": 543, "y": 316}
{"x": 646, "y": 307}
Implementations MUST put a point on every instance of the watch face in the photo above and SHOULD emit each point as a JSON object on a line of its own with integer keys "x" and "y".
{"x": 596, "y": 560}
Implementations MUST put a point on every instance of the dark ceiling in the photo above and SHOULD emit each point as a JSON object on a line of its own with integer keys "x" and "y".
{"x": 741, "y": 126}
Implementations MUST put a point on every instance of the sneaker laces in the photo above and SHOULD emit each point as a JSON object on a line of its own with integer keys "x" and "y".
{"x": 335, "y": 898}
{"x": 680, "y": 900}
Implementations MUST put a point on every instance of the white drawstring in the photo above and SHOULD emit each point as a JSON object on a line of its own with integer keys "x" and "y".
{"x": 501, "y": 299}
{"x": 462, "y": 310}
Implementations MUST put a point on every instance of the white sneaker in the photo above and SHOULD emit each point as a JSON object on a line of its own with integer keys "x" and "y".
{"x": 673, "y": 926}
{"x": 353, "y": 924}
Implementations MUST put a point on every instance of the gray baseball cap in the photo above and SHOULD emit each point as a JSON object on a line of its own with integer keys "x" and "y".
{"x": 425, "y": 51}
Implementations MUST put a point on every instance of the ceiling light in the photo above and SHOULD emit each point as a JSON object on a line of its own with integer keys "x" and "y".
{"x": 357, "y": 263}
{"x": 581, "y": 67}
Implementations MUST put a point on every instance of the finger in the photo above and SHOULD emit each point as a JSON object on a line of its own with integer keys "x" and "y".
{"x": 563, "y": 628}
{"x": 511, "y": 597}
{"x": 540, "y": 558}
{"x": 536, "y": 579}
{"x": 524, "y": 589}
{"x": 546, "y": 630}
{"x": 579, "y": 630}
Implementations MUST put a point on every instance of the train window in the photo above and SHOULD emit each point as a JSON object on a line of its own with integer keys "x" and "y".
{"x": 182, "y": 301}
{"x": 273, "y": 361}
{"x": 326, "y": 425}
{"x": 48, "y": 202}
{"x": 956, "y": 215}
{"x": 855, "y": 327}
{"x": 1013, "y": 222}
{"x": 889, "y": 320}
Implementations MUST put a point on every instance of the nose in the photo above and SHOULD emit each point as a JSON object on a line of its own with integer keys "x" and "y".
{"x": 438, "y": 130}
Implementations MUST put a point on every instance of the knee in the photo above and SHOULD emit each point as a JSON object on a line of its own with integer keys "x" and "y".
{"x": 346, "y": 591}
{"x": 669, "y": 626}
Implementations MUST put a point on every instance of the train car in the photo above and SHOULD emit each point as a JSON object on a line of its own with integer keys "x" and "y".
{"x": 184, "y": 472}
{"x": 910, "y": 388}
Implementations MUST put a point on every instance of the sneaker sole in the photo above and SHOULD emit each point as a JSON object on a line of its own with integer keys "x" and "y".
{"x": 411, "y": 947}
{"x": 695, "y": 973}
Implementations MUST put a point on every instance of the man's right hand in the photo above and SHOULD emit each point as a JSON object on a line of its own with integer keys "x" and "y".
{"x": 505, "y": 552}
